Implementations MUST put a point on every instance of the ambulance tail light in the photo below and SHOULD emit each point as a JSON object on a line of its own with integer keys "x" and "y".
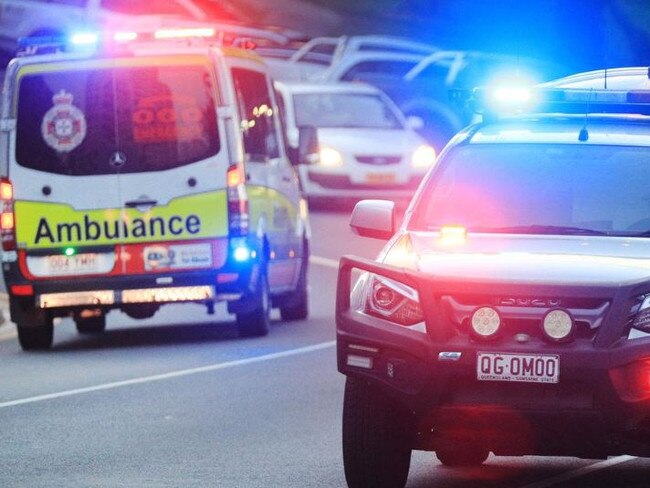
{"x": 7, "y": 216}
{"x": 238, "y": 214}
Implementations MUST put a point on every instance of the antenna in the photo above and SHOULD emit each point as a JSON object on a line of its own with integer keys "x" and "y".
{"x": 583, "y": 135}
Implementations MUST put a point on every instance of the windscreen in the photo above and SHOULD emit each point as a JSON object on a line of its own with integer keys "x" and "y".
{"x": 344, "y": 110}
{"x": 154, "y": 117}
{"x": 531, "y": 188}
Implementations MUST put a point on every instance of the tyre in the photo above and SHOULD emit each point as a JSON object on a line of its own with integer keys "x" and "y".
{"x": 257, "y": 322}
{"x": 35, "y": 330}
{"x": 376, "y": 438}
{"x": 297, "y": 306}
{"x": 466, "y": 455}
{"x": 90, "y": 325}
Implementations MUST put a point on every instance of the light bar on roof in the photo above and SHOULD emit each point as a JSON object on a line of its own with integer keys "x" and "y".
{"x": 84, "y": 38}
{"x": 497, "y": 101}
{"x": 125, "y": 36}
{"x": 182, "y": 33}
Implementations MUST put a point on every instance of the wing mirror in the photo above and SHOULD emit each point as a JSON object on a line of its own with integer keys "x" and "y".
{"x": 374, "y": 218}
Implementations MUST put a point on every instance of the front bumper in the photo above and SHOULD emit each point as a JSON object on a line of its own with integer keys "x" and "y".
{"x": 320, "y": 184}
{"x": 433, "y": 374}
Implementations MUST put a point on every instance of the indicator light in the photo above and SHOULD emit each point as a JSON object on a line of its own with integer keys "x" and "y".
{"x": 84, "y": 38}
{"x": 330, "y": 157}
{"x": 241, "y": 254}
{"x": 69, "y": 251}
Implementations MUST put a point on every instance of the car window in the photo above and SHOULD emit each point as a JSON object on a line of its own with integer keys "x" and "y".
{"x": 491, "y": 186}
{"x": 159, "y": 117}
{"x": 344, "y": 110}
{"x": 257, "y": 115}
{"x": 150, "y": 7}
{"x": 393, "y": 68}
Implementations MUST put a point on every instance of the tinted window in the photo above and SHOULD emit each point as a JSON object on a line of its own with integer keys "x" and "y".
{"x": 344, "y": 110}
{"x": 257, "y": 115}
{"x": 496, "y": 186}
{"x": 74, "y": 122}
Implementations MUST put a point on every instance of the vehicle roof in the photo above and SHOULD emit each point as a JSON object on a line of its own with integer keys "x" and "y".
{"x": 630, "y": 78}
{"x": 603, "y": 129}
{"x": 154, "y": 48}
{"x": 338, "y": 87}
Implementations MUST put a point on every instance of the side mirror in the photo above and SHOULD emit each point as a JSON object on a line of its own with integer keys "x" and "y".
{"x": 374, "y": 218}
{"x": 307, "y": 145}
{"x": 414, "y": 122}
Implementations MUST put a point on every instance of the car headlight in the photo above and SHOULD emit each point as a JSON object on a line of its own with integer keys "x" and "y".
{"x": 485, "y": 322}
{"x": 640, "y": 313}
{"x": 330, "y": 157}
{"x": 558, "y": 325}
{"x": 423, "y": 157}
{"x": 392, "y": 301}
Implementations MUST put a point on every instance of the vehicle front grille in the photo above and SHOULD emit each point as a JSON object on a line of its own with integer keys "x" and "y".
{"x": 379, "y": 160}
{"x": 524, "y": 314}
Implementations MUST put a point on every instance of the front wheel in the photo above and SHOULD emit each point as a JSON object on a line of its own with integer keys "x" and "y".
{"x": 376, "y": 438}
{"x": 35, "y": 330}
{"x": 257, "y": 322}
{"x": 297, "y": 307}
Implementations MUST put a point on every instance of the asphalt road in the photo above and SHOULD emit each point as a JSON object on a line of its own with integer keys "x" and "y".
{"x": 181, "y": 401}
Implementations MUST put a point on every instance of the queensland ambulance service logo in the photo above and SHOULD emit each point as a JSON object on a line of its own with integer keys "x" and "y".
{"x": 64, "y": 125}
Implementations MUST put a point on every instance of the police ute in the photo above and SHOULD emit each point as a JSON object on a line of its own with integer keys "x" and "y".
{"x": 146, "y": 168}
{"x": 509, "y": 313}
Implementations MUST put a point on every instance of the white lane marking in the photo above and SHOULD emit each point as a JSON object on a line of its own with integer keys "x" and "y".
{"x": 576, "y": 473}
{"x": 327, "y": 262}
{"x": 170, "y": 375}
{"x": 318, "y": 260}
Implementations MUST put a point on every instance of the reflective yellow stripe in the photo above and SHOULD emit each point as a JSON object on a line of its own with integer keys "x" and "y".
{"x": 104, "y": 63}
{"x": 45, "y": 225}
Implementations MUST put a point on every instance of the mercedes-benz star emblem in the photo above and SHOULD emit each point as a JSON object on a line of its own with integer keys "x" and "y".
{"x": 118, "y": 159}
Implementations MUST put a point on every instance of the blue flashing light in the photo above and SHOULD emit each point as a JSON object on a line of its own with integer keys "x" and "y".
{"x": 241, "y": 254}
{"x": 84, "y": 39}
{"x": 516, "y": 95}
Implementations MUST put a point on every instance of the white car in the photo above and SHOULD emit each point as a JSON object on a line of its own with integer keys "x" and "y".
{"x": 367, "y": 147}
{"x": 34, "y": 18}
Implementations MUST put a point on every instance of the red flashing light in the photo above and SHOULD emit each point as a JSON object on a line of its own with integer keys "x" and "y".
{"x": 235, "y": 176}
{"x": 6, "y": 190}
{"x": 632, "y": 381}
{"x": 238, "y": 214}
{"x": 185, "y": 33}
{"x": 7, "y": 218}
{"x": 125, "y": 36}
{"x": 22, "y": 290}
{"x": 7, "y": 221}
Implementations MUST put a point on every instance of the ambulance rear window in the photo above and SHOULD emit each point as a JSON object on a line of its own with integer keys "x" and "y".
{"x": 131, "y": 120}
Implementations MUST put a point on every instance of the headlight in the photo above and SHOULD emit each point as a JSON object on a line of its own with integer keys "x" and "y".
{"x": 558, "y": 325}
{"x": 423, "y": 157}
{"x": 486, "y": 322}
{"x": 330, "y": 157}
{"x": 641, "y": 313}
{"x": 392, "y": 301}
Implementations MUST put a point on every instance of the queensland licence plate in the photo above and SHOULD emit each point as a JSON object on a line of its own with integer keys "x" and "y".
{"x": 526, "y": 368}
{"x": 78, "y": 263}
{"x": 380, "y": 178}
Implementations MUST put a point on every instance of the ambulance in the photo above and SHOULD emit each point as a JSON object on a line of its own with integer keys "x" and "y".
{"x": 142, "y": 169}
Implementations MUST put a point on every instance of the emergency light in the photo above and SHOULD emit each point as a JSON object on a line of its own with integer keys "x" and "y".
{"x": 88, "y": 40}
{"x": 495, "y": 102}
